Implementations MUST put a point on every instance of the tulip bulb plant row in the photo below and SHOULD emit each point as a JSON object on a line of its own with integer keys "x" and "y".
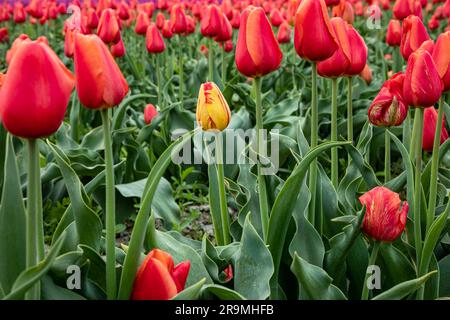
{"x": 100, "y": 99}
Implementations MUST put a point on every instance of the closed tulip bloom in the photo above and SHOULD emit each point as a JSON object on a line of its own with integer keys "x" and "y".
{"x": 422, "y": 86}
{"x": 178, "y": 19}
{"x": 236, "y": 20}
{"x": 358, "y": 52}
{"x": 124, "y": 11}
{"x": 15, "y": 45}
{"x": 366, "y": 74}
{"x": 4, "y": 35}
{"x": 211, "y": 21}
{"x": 433, "y": 23}
{"x": 35, "y": 91}
{"x": 158, "y": 279}
{"x": 339, "y": 62}
{"x": 108, "y": 27}
{"x": 388, "y": 108}
{"x": 314, "y": 38}
{"x": 213, "y": 112}
{"x": 394, "y": 33}
{"x": 92, "y": 19}
{"x": 167, "y": 30}
{"x": 160, "y": 20}
{"x": 414, "y": 34}
{"x": 429, "y": 129}
{"x": 118, "y": 50}
{"x": 190, "y": 25}
{"x": 284, "y": 33}
{"x": 386, "y": 214}
{"x": 20, "y": 15}
{"x": 69, "y": 43}
{"x": 153, "y": 40}
{"x": 276, "y": 19}
{"x": 257, "y": 49}
{"x": 441, "y": 58}
{"x": 142, "y": 23}
{"x": 402, "y": 9}
{"x": 226, "y": 31}
{"x": 36, "y": 9}
{"x": 228, "y": 46}
{"x": 344, "y": 10}
{"x": 100, "y": 83}
{"x": 149, "y": 113}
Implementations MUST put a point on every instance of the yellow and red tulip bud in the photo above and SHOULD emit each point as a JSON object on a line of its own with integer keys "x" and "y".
{"x": 213, "y": 112}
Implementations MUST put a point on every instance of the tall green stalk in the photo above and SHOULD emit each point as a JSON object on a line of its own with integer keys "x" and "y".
{"x": 34, "y": 234}
{"x": 181, "y": 65}
{"x": 418, "y": 130}
{"x": 222, "y": 193}
{"x": 224, "y": 67}
{"x": 110, "y": 215}
{"x": 211, "y": 60}
{"x": 160, "y": 81}
{"x": 334, "y": 133}
{"x": 262, "y": 191}
{"x": 387, "y": 156}
{"x": 435, "y": 166}
{"x": 372, "y": 260}
{"x": 349, "y": 112}
{"x": 314, "y": 141}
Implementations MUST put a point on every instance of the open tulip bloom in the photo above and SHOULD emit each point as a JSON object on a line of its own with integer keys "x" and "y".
{"x": 221, "y": 149}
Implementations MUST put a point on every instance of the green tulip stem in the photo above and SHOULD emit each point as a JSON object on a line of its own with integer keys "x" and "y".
{"x": 314, "y": 142}
{"x": 110, "y": 215}
{"x": 372, "y": 261}
{"x": 222, "y": 193}
{"x": 387, "y": 156}
{"x": 334, "y": 133}
{"x": 349, "y": 112}
{"x": 262, "y": 191}
{"x": 160, "y": 81}
{"x": 224, "y": 67}
{"x": 435, "y": 166}
{"x": 34, "y": 220}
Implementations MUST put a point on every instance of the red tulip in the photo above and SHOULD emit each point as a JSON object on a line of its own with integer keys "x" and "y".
{"x": 142, "y": 23}
{"x": 4, "y": 35}
{"x": 366, "y": 74}
{"x": 178, "y": 19}
{"x": 153, "y": 40}
{"x": 414, "y": 34}
{"x": 108, "y": 27}
{"x": 15, "y": 45}
{"x": 236, "y": 20}
{"x": 69, "y": 43}
{"x": 92, "y": 19}
{"x": 441, "y": 58}
{"x": 314, "y": 38}
{"x": 389, "y": 108}
{"x": 257, "y": 50}
{"x": 344, "y": 10}
{"x": 422, "y": 86}
{"x": 284, "y": 33}
{"x": 433, "y": 23}
{"x": 402, "y": 9}
{"x": 275, "y": 17}
{"x": 190, "y": 25}
{"x": 158, "y": 278}
{"x": 124, "y": 11}
{"x": 339, "y": 62}
{"x": 100, "y": 83}
{"x": 36, "y": 9}
{"x": 160, "y": 20}
{"x": 358, "y": 52}
{"x": 429, "y": 129}
{"x": 228, "y": 46}
{"x": 386, "y": 215}
{"x": 20, "y": 15}
{"x": 167, "y": 30}
{"x": 211, "y": 21}
{"x": 35, "y": 92}
{"x": 394, "y": 33}
{"x": 226, "y": 31}
{"x": 118, "y": 50}
{"x": 149, "y": 113}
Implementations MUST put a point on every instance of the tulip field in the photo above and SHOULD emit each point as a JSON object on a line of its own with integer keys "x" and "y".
{"x": 224, "y": 150}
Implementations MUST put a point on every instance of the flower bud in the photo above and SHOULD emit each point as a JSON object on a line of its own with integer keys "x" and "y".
{"x": 108, "y": 27}
{"x": 429, "y": 129}
{"x": 441, "y": 58}
{"x": 284, "y": 33}
{"x": 386, "y": 215}
{"x": 394, "y": 33}
{"x": 149, "y": 113}
{"x": 414, "y": 34}
{"x": 142, "y": 23}
{"x": 213, "y": 112}
{"x": 153, "y": 40}
{"x": 211, "y": 21}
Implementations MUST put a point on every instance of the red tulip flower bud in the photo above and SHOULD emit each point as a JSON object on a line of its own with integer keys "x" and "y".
{"x": 429, "y": 129}
{"x": 388, "y": 108}
{"x": 92, "y": 19}
{"x": 386, "y": 215}
{"x": 100, "y": 83}
{"x": 158, "y": 279}
{"x": 402, "y": 9}
{"x": 422, "y": 86}
{"x": 257, "y": 49}
{"x": 118, "y": 50}
{"x": 366, "y": 74}
{"x": 178, "y": 19}
{"x": 190, "y": 25}
{"x": 228, "y": 46}
{"x": 226, "y": 31}
{"x": 331, "y": 3}
{"x": 35, "y": 91}
{"x": 167, "y": 30}
{"x": 20, "y": 15}
{"x": 108, "y": 27}
{"x": 394, "y": 33}
{"x": 236, "y": 20}
{"x": 284, "y": 33}
{"x": 344, "y": 10}
{"x": 69, "y": 43}
{"x": 433, "y": 23}
{"x": 276, "y": 18}
{"x": 15, "y": 45}
{"x": 160, "y": 19}
{"x": 149, "y": 113}
{"x": 314, "y": 38}
{"x": 358, "y": 52}
{"x": 153, "y": 40}
{"x": 211, "y": 22}
{"x": 142, "y": 23}
{"x": 441, "y": 58}
{"x": 124, "y": 11}
{"x": 414, "y": 34}
{"x": 36, "y": 9}
{"x": 339, "y": 62}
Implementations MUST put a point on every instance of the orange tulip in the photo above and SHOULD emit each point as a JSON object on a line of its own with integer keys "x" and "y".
{"x": 153, "y": 40}
{"x": 414, "y": 34}
{"x": 257, "y": 49}
{"x": 344, "y": 10}
{"x": 314, "y": 38}
{"x": 366, "y": 74}
{"x": 100, "y": 83}
{"x": 108, "y": 27}
{"x": 158, "y": 279}
{"x": 35, "y": 91}
{"x": 386, "y": 215}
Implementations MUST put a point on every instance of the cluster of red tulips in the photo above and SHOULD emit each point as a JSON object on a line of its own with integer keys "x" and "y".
{"x": 135, "y": 68}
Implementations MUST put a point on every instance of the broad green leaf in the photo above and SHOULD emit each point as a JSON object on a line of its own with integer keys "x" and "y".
{"x": 12, "y": 222}
{"x": 51, "y": 291}
{"x": 403, "y": 289}
{"x": 444, "y": 285}
{"x": 221, "y": 292}
{"x": 253, "y": 265}
{"x": 314, "y": 281}
{"x": 396, "y": 267}
{"x": 191, "y": 293}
